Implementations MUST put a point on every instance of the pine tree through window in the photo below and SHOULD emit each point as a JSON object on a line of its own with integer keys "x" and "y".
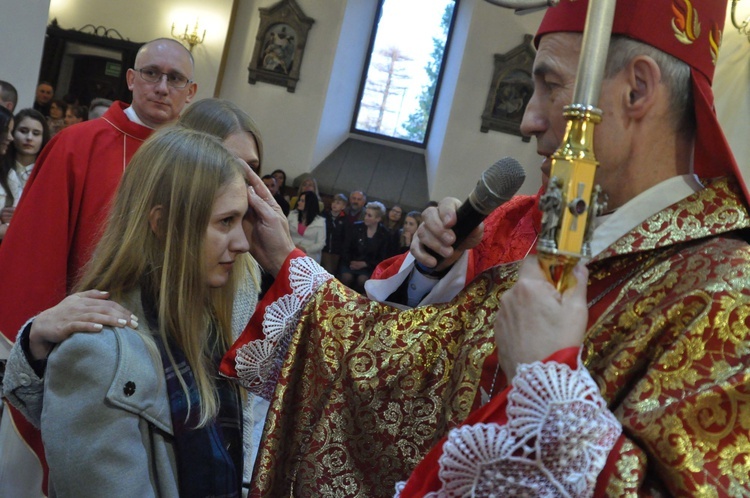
{"x": 403, "y": 71}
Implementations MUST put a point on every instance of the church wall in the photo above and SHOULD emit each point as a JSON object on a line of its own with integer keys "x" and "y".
{"x": 302, "y": 128}
{"x": 22, "y": 27}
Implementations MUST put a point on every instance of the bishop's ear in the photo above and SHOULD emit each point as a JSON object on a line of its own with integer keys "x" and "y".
{"x": 644, "y": 80}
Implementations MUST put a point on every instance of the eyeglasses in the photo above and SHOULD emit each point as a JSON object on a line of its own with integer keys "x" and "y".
{"x": 175, "y": 80}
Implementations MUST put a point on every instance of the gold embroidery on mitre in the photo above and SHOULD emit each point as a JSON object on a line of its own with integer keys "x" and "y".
{"x": 685, "y": 23}
{"x": 714, "y": 41}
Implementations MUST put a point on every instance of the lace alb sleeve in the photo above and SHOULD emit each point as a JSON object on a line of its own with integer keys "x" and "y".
{"x": 259, "y": 362}
{"x": 556, "y": 442}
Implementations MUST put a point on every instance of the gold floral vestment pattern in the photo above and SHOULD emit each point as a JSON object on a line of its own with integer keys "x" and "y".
{"x": 366, "y": 390}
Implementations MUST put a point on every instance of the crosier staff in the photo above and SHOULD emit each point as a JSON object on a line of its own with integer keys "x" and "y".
{"x": 571, "y": 200}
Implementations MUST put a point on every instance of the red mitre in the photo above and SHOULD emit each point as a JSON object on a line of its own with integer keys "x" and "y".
{"x": 690, "y": 30}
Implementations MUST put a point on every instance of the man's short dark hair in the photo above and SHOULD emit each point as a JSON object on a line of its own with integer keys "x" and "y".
{"x": 8, "y": 93}
{"x": 79, "y": 111}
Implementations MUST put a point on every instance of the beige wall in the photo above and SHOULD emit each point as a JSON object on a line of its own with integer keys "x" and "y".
{"x": 290, "y": 122}
{"x": 144, "y": 20}
{"x": 22, "y": 27}
{"x": 732, "y": 90}
{"x": 302, "y": 128}
{"x": 465, "y": 152}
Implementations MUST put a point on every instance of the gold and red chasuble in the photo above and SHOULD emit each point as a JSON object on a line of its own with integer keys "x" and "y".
{"x": 366, "y": 390}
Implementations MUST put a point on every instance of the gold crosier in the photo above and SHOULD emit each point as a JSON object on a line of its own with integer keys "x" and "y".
{"x": 571, "y": 199}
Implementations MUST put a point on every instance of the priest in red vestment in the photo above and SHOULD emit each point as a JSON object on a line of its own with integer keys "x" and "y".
{"x": 65, "y": 202}
{"x": 635, "y": 384}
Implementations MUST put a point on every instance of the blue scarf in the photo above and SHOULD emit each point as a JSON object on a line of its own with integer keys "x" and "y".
{"x": 209, "y": 458}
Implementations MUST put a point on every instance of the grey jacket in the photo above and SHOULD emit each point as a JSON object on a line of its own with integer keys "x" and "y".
{"x": 106, "y": 423}
{"x": 24, "y": 389}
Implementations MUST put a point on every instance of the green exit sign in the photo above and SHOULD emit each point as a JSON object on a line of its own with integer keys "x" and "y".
{"x": 112, "y": 69}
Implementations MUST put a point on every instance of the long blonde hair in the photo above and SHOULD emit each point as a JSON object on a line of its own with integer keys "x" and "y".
{"x": 181, "y": 171}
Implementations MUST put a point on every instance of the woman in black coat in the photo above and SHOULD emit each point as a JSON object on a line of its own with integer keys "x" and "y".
{"x": 366, "y": 244}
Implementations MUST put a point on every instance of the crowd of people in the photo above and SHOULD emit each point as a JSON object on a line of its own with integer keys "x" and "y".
{"x": 349, "y": 237}
{"x": 66, "y": 110}
{"x": 484, "y": 379}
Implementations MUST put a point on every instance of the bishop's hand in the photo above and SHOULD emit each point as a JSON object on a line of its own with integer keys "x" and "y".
{"x": 535, "y": 320}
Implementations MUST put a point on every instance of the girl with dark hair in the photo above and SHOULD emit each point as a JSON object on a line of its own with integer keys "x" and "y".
{"x": 394, "y": 220}
{"x": 307, "y": 226}
{"x": 56, "y": 118}
{"x": 280, "y": 176}
{"x": 406, "y": 233}
{"x": 6, "y": 137}
{"x": 6, "y": 126}
{"x": 30, "y": 135}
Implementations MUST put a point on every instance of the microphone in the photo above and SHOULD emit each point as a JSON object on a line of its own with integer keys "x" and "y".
{"x": 497, "y": 185}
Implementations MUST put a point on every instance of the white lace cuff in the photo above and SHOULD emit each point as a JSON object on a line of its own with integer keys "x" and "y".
{"x": 259, "y": 362}
{"x": 556, "y": 442}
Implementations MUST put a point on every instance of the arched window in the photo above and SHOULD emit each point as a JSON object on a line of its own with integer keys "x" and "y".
{"x": 401, "y": 80}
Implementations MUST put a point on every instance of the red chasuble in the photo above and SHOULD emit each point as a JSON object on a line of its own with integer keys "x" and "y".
{"x": 360, "y": 392}
{"x": 667, "y": 349}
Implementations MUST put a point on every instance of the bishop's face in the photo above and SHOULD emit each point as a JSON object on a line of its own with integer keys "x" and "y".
{"x": 555, "y": 68}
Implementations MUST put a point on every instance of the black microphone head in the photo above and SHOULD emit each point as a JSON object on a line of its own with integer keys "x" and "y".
{"x": 498, "y": 184}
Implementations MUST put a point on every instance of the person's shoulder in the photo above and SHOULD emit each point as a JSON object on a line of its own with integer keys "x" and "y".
{"x": 519, "y": 206}
{"x": 104, "y": 339}
{"x": 104, "y": 344}
{"x": 85, "y": 354}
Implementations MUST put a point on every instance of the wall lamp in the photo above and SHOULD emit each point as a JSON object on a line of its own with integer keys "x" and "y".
{"x": 191, "y": 39}
{"x": 744, "y": 26}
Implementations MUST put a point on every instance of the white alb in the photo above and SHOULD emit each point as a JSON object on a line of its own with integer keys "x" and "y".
{"x": 556, "y": 441}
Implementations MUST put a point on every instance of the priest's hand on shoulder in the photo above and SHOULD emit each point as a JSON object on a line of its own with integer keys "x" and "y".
{"x": 87, "y": 311}
{"x": 535, "y": 320}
